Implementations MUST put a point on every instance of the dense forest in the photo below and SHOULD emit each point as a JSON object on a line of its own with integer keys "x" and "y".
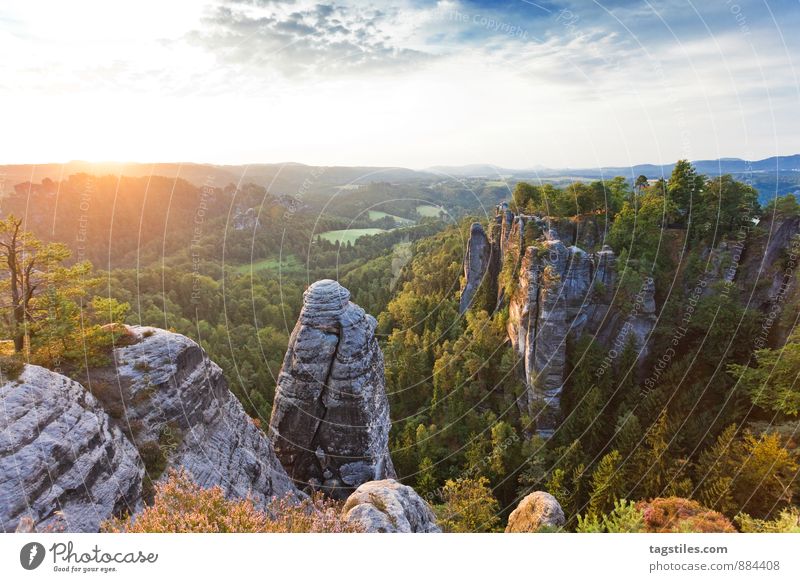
{"x": 716, "y": 425}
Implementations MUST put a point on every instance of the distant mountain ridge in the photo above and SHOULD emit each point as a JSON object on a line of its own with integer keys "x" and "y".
{"x": 790, "y": 163}
{"x": 771, "y": 176}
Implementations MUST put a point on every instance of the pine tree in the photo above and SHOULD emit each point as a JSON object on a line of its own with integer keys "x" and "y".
{"x": 607, "y": 483}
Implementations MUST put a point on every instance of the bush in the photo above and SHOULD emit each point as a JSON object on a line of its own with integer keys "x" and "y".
{"x": 182, "y": 506}
{"x": 10, "y": 368}
{"x": 787, "y": 522}
{"x": 626, "y": 517}
{"x": 469, "y": 506}
{"x": 676, "y": 514}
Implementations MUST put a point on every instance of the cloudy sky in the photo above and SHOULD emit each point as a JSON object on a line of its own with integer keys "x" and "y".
{"x": 517, "y": 83}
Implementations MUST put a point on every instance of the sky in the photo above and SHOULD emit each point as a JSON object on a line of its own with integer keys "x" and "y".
{"x": 516, "y": 83}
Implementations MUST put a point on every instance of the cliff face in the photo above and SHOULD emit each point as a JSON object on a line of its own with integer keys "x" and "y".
{"x": 175, "y": 397}
{"x": 72, "y": 457}
{"x": 559, "y": 293}
{"x": 63, "y": 462}
{"x": 562, "y": 293}
{"x": 481, "y": 265}
{"x": 330, "y": 420}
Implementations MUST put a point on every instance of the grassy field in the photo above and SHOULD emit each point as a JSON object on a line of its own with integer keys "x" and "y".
{"x": 349, "y": 235}
{"x": 290, "y": 263}
{"x": 377, "y": 215}
{"x": 428, "y": 211}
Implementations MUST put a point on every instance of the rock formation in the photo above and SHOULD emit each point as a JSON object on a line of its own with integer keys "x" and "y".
{"x": 177, "y": 399}
{"x": 535, "y": 511}
{"x": 330, "y": 420}
{"x": 559, "y": 292}
{"x": 388, "y": 507}
{"x": 62, "y": 459}
{"x": 72, "y": 457}
{"x": 479, "y": 266}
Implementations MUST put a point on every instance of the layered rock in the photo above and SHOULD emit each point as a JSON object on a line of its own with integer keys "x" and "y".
{"x": 560, "y": 292}
{"x": 330, "y": 420}
{"x": 536, "y": 511}
{"x": 386, "y": 506}
{"x": 62, "y": 459}
{"x": 177, "y": 399}
{"x": 557, "y": 296}
{"x": 71, "y": 457}
{"x": 480, "y": 266}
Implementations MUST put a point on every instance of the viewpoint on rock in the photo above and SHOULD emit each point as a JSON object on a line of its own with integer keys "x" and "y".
{"x": 419, "y": 267}
{"x": 330, "y": 419}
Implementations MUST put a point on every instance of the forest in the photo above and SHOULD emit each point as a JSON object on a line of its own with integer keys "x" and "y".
{"x": 711, "y": 433}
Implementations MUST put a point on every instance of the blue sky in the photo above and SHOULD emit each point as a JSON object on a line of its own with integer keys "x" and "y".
{"x": 515, "y": 83}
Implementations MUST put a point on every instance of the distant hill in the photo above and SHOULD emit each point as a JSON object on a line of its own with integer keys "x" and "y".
{"x": 316, "y": 185}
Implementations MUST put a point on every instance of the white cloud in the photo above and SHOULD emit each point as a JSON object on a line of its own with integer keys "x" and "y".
{"x": 352, "y": 83}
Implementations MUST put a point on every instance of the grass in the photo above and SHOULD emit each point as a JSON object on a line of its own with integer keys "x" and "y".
{"x": 377, "y": 215}
{"x": 289, "y": 263}
{"x": 350, "y": 235}
{"x": 428, "y": 211}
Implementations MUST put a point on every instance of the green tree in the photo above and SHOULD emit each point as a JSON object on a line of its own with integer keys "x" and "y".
{"x": 773, "y": 384}
{"x": 684, "y": 188}
{"x": 608, "y": 483}
{"x": 36, "y": 280}
{"x": 469, "y": 506}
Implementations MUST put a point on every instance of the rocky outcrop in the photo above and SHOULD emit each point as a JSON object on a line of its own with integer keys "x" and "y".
{"x": 177, "y": 401}
{"x": 330, "y": 420}
{"x": 388, "y": 507}
{"x": 477, "y": 266}
{"x": 62, "y": 459}
{"x": 560, "y": 292}
{"x": 536, "y": 511}
{"x": 71, "y": 457}
{"x": 766, "y": 275}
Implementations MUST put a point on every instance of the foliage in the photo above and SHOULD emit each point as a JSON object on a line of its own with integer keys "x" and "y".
{"x": 787, "y": 522}
{"x": 576, "y": 199}
{"x": 750, "y": 474}
{"x": 607, "y": 484}
{"x": 772, "y": 385}
{"x": 182, "y": 506}
{"x": 676, "y": 514}
{"x": 469, "y": 506}
{"x": 624, "y": 518}
{"x": 10, "y": 368}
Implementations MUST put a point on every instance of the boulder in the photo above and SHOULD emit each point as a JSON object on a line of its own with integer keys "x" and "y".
{"x": 387, "y": 506}
{"x": 330, "y": 419}
{"x": 62, "y": 459}
{"x": 535, "y": 511}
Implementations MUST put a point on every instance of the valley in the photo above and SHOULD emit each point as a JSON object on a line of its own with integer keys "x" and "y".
{"x": 504, "y": 338}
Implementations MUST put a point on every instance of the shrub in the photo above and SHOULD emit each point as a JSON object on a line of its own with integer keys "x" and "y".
{"x": 10, "y": 368}
{"x": 109, "y": 394}
{"x": 626, "y": 517}
{"x": 787, "y": 522}
{"x": 182, "y": 506}
{"x": 676, "y": 514}
{"x": 469, "y": 506}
